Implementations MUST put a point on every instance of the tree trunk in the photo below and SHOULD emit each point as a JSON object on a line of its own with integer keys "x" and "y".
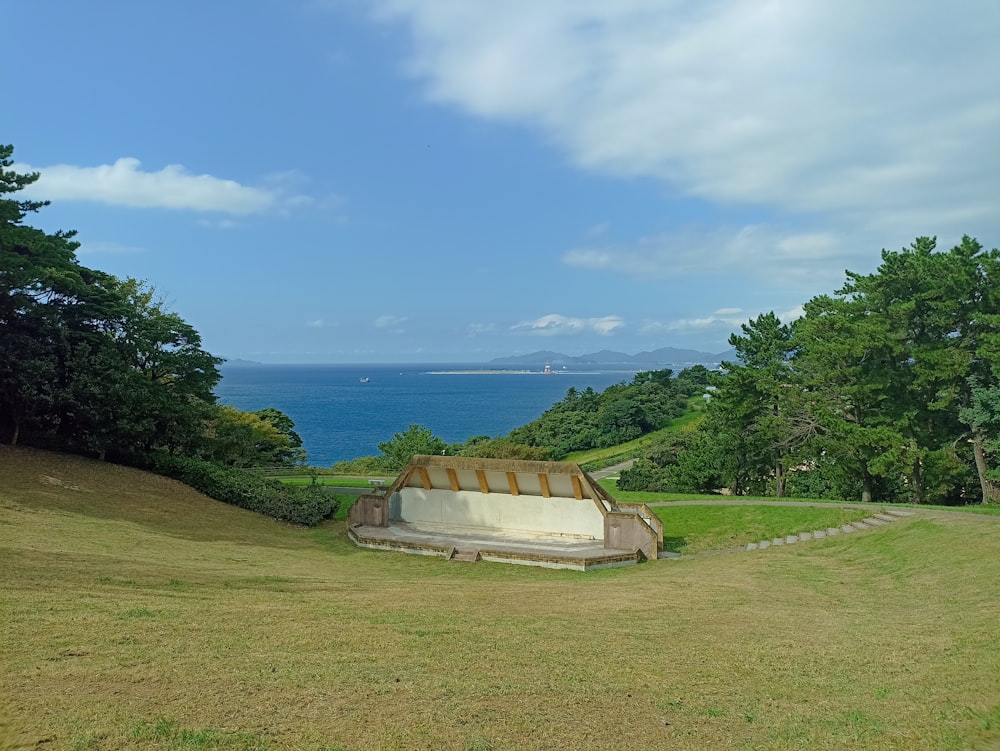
{"x": 917, "y": 483}
{"x": 991, "y": 490}
{"x": 779, "y": 480}
{"x": 866, "y": 486}
{"x": 17, "y": 431}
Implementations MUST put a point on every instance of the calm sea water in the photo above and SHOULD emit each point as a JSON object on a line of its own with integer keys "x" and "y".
{"x": 339, "y": 417}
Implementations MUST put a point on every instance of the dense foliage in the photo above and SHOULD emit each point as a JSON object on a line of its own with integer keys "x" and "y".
{"x": 587, "y": 419}
{"x": 97, "y": 365}
{"x": 299, "y": 505}
{"x": 887, "y": 390}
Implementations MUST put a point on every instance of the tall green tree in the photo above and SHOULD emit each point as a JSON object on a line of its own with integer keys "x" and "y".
{"x": 887, "y": 363}
{"x": 983, "y": 417}
{"x": 39, "y": 281}
{"x": 94, "y": 362}
{"x": 403, "y": 446}
{"x": 749, "y": 411}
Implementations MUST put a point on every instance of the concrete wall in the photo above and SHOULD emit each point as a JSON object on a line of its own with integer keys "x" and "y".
{"x": 628, "y": 531}
{"x": 369, "y": 511}
{"x": 472, "y": 509}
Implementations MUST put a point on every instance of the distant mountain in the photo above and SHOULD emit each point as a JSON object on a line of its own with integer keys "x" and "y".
{"x": 663, "y": 357}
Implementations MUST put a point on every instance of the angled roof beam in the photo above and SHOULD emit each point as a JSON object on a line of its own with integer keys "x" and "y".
{"x": 484, "y": 486}
{"x": 512, "y": 481}
{"x": 543, "y": 480}
{"x": 453, "y": 480}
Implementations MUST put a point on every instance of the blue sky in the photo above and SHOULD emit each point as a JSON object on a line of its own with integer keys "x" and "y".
{"x": 455, "y": 180}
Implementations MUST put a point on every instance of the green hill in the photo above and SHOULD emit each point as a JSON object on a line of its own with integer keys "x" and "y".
{"x": 139, "y": 614}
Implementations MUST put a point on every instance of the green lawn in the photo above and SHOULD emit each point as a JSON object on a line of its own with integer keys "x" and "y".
{"x": 338, "y": 481}
{"x": 138, "y": 614}
{"x": 696, "y": 529}
{"x": 637, "y": 496}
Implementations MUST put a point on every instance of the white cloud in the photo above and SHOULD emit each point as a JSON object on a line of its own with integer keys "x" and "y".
{"x": 555, "y": 324}
{"x": 756, "y": 251}
{"x": 721, "y": 321}
{"x": 125, "y": 183}
{"x": 477, "y": 329}
{"x": 791, "y": 315}
{"x": 218, "y": 224}
{"x": 856, "y": 117}
{"x": 392, "y": 324}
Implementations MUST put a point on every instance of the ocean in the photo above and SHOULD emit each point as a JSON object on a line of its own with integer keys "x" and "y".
{"x": 339, "y": 416}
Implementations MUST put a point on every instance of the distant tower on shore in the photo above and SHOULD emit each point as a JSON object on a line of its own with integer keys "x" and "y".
{"x": 548, "y": 370}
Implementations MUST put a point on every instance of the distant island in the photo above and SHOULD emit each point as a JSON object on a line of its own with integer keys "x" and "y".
{"x": 535, "y": 362}
{"x": 657, "y": 358}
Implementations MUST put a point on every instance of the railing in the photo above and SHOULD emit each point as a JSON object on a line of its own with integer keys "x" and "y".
{"x": 646, "y": 514}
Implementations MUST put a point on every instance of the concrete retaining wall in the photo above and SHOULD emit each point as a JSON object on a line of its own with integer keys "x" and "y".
{"x": 369, "y": 511}
{"x": 628, "y": 531}
{"x": 472, "y": 509}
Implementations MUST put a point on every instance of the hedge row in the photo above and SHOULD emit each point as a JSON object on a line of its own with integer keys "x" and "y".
{"x": 298, "y": 505}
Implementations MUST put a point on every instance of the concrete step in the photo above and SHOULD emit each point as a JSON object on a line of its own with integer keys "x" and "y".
{"x": 831, "y": 531}
{"x": 465, "y": 556}
{"x": 897, "y": 512}
{"x": 874, "y": 521}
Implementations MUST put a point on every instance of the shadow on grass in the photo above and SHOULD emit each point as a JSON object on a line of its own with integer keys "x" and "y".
{"x": 674, "y": 544}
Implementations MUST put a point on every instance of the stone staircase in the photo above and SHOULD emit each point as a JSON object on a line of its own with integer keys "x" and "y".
{"x": 872, "y": 522}
{"x": 468, "y": 555}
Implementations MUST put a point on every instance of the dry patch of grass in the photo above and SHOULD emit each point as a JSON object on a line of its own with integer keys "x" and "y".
{"x": 137, "y": 614}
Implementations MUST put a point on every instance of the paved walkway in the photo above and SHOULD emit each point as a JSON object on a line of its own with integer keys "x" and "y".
{"x": 614, "y": 469}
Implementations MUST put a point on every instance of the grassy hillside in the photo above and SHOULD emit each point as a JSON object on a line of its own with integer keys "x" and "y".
{"x": 604, "y": 457}
{"x": 138, "y": 614}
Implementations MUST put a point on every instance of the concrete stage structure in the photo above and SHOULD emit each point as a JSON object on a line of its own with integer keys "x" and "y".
{"x": 532, "y": 513}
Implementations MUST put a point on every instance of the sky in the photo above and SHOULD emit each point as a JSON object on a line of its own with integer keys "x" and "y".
{"x": 331, "y": 181}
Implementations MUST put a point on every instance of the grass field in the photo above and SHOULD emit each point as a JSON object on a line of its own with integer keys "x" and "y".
{"x": 339, "y": 481}
{"x": 603, "y": 457}
{"x": 138, "y": 614}
{"x": 646, "y": 497}
{"x": 697, "y": 529}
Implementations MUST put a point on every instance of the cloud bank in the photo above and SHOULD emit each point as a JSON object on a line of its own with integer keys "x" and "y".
{"x": 125, "y": 183}
{"x": 559, "y": 325}
{"x": 871, "y": 122}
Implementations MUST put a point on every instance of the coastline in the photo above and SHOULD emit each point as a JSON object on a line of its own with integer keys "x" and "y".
{"x": 510, "y": 372}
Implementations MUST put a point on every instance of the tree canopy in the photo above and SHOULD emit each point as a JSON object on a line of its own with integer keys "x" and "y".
{"x": 885, "y": 390}
{"x": 98, "y": 365}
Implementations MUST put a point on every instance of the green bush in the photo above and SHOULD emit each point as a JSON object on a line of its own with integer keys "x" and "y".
{"x": 298, "y": 505}
{"x": 363, "y": 465}
{"x": 644, "y": 475}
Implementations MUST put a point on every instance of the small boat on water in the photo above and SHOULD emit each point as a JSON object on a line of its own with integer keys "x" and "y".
{"x": 364, "y": 380}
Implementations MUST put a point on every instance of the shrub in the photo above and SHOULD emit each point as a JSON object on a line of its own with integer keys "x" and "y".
{"x": 363, "y": 465}
{"x": 298, "y": 505}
